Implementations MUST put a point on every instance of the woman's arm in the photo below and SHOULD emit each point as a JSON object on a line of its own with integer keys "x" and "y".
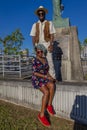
{"x": 40, "y": 75}
{"x": 44, "y": 76}
{"x": 50, "y": 77}
{"x": 34, "y": 69}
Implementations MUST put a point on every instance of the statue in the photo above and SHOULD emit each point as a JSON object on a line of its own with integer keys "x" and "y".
{"x": 57, "y": 19}
{"x": 56, "y": 8}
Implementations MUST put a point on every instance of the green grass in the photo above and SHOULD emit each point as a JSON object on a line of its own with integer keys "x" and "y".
{"x": 14, "y": 117}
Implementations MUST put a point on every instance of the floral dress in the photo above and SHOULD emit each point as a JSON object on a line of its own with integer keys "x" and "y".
{"x": 41, "y": 68}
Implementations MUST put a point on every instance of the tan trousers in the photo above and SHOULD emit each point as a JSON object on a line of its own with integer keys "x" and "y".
{"x": 51, "y": 66}
{"x": 50, "y": 61}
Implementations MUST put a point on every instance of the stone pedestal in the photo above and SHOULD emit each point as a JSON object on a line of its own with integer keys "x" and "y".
{"x": 61, "y": 22}
{"x": 71, "y": 62}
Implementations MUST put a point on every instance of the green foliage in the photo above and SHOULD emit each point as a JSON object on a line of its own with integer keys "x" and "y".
{"x": 27, "y": 50}
{"x": 85, "y": 42}
{"x": 82, "y": 45}
{"x": 12, "y": 43}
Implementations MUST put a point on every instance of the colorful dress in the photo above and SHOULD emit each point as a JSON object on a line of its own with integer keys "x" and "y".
{"x": 41, "y": 68}
{"x": 44, "y": 42}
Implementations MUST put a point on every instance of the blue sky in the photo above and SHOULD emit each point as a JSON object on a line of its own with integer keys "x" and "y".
{"x": 16, "y": 14}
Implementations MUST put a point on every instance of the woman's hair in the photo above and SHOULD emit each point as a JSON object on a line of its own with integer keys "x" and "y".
{"x": 41, "y": 47}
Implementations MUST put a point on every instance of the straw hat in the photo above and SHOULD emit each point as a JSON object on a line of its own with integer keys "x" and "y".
{"x": 41, "y": 8}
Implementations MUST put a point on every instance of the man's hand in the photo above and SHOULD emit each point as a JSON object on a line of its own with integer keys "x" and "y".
{"x": 50, "y": 48}
{"x": 51, "y": 78}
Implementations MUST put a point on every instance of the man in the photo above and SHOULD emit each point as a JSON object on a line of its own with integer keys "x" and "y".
{"x": 43, "y": 32}
{"x": 57, "y": 57}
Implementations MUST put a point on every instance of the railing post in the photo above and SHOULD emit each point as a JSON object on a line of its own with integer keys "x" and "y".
{"x": 3, "y": 65}
{"x": 20, "y": 66}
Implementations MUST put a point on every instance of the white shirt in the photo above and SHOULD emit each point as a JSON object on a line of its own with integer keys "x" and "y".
{"x": 41, "y": 30}
{"x": 46, "y": 44}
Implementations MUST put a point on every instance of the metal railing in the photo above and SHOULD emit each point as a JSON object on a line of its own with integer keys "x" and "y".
{"x": 14, "y": 66}
{"x": 84, "y": 66}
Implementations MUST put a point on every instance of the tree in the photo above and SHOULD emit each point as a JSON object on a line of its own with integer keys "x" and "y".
{"x": 12, "y": 43}
{"x": 4, "y": 43}
{"x": 17, "y": 39}
{"x": 80, "y": 45}
{"x": 85, "y": 42}
{"x": 27, "y": 51}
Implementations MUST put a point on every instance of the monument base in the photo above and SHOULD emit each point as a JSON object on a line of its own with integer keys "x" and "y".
{"x": 71, "y": 61}
{"x": 61, "y": 22}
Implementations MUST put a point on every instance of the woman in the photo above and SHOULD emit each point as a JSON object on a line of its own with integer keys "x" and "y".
{"x": 44, "y": 82}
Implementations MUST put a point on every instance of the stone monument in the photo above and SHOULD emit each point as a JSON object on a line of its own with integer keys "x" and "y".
{"x": 57, "y": 19}
{"x": 68, "y": 37}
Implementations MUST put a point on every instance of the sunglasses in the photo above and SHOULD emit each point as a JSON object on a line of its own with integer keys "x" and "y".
{"x": 38, "y": 52}
{"x": 39, "y": 14}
